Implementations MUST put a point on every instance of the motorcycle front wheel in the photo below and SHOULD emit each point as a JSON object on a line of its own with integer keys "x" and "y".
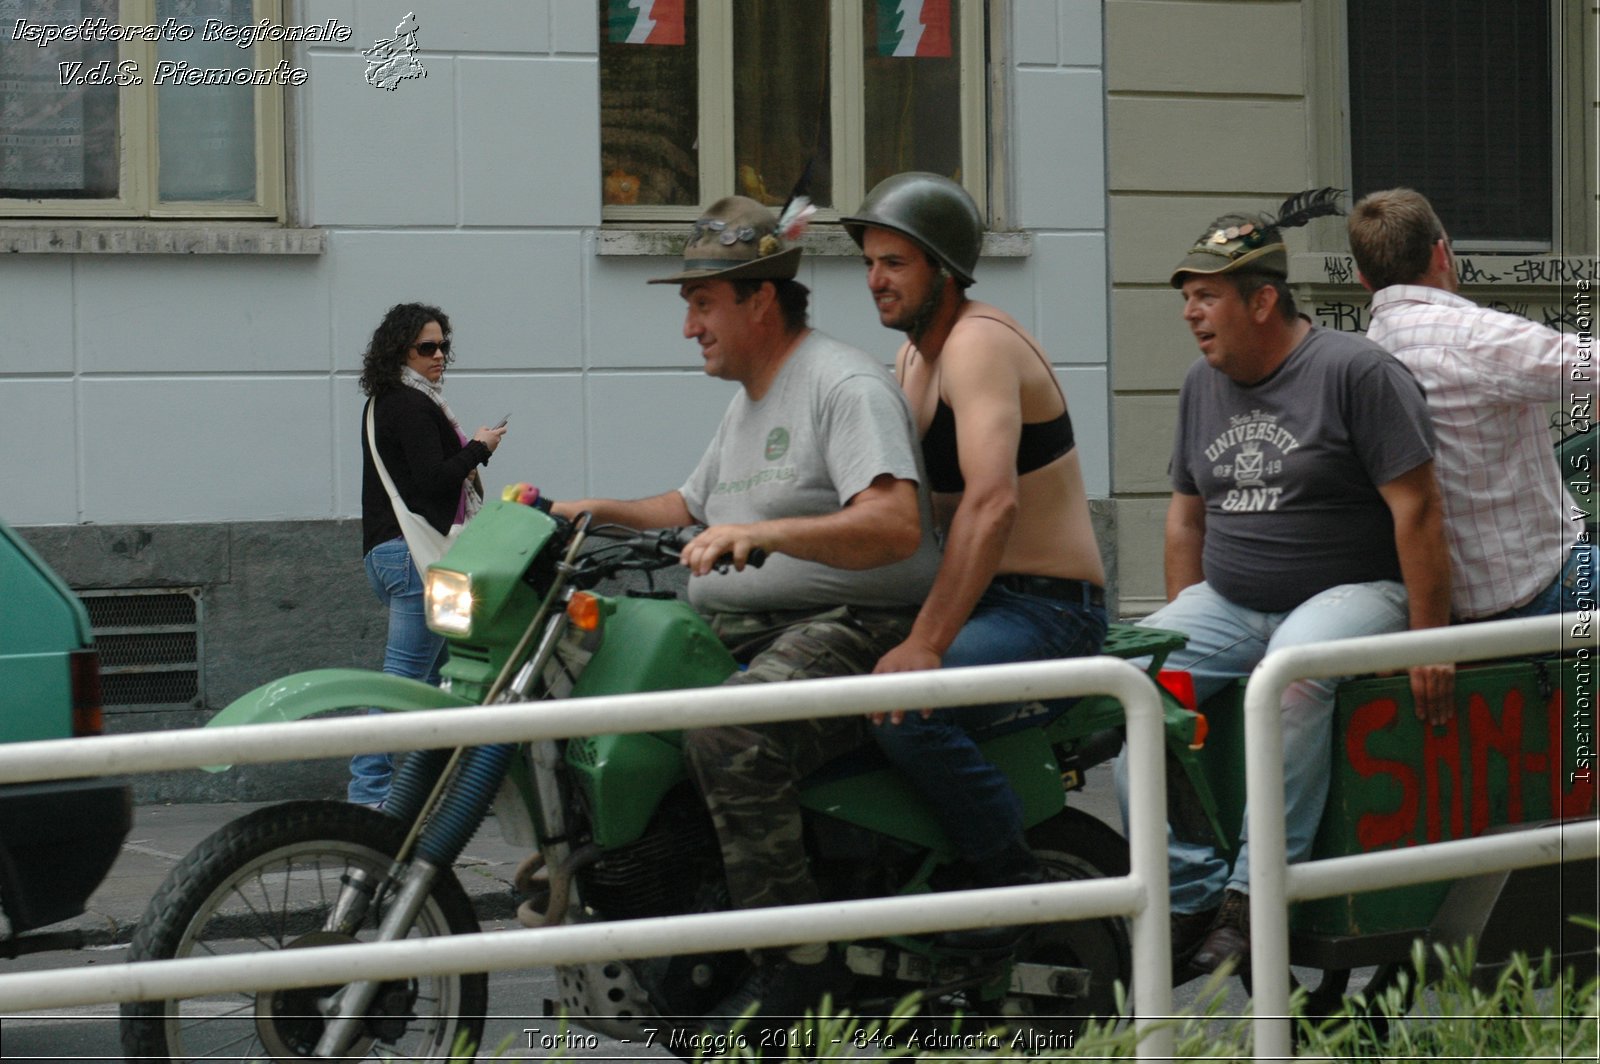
{"x": 266, "y": 882}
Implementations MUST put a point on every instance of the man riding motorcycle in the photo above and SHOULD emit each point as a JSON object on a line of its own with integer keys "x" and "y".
{"x": 815, "y": 465}
{"x": 1021, "y": 577}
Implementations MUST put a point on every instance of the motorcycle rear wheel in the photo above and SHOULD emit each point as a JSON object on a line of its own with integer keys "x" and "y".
{"x": 1075, "y": 846}
{"x": 264, "y": 883}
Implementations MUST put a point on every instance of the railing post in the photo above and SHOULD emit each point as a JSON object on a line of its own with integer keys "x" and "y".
{"x": 1271, "y": 878}
{"x": 1269, "y": 912}
{"x": 1147, "y": 861}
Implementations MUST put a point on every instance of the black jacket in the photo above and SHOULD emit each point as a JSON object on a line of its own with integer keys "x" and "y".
{"x": 424, "y": 458}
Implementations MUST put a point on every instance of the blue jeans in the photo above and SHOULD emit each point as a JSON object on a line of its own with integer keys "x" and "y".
{"x": 1226, "y": 641}
{"x": 1572, "y": 591}
{"x": 412, "y": 651}
{"x": 973, "y": 800}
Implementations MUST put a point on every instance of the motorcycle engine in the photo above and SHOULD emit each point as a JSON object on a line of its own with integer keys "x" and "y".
{"x": 664, "y": 872}
{"x": 675, "y": 867}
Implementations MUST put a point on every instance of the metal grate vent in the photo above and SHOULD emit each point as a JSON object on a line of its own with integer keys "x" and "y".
{"x": 149, "y": 643}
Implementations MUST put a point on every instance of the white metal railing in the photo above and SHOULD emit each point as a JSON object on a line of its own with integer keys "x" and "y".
{"x": 1142, "y": 894}
{"x": 1274, "y": 883}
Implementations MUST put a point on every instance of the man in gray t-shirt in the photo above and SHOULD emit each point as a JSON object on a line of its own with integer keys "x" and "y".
{"x": 1303, "y": 509}
{"x": 830, "y": 423}
{"x": 815, "y": 464}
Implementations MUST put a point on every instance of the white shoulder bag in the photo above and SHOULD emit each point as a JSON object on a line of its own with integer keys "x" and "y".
{"x": 426, "y": 543}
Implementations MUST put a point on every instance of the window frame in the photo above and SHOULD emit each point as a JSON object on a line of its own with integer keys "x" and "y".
{"x": 1573, "y": 139}
{"x": 847, "y": 111}
{"x": 138, "y": 137}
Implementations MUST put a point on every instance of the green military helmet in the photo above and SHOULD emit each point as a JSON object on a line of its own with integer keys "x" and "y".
{"x": 932, "y": 210}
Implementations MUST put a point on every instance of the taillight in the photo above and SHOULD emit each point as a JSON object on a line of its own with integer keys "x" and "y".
{"x": 88, "y": 716}
{"x": 1179, "y": 684}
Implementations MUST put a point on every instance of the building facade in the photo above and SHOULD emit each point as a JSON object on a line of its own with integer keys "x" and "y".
{"x": 192, "y": 279}
{"x": 196, "y": 259}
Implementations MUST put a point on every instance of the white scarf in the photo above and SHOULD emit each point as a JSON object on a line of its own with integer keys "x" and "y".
{"x": 473, "y": 486}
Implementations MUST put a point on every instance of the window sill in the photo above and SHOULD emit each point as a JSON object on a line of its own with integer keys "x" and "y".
{"x": 158, "y": 238}
{"x": 820, "y": 241}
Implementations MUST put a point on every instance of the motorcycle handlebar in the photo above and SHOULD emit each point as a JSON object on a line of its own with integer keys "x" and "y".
{"x": 631, "y": 549}
{"x": 675, "y": 539}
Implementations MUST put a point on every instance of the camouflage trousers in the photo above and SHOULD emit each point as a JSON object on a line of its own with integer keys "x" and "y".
{"x": 749, "y": 775}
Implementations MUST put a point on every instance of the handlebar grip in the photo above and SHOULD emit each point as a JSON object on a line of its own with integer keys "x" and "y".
{"x": 756, "y": 560}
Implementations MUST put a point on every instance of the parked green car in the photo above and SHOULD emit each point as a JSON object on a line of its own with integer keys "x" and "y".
{"x": 58, "y": 838}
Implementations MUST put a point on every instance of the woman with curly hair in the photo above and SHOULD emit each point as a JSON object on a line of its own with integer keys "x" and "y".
{"x": 434, "y": 467}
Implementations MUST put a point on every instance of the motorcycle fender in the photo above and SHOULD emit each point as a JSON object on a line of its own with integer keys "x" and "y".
{"x": 305, "y": 694}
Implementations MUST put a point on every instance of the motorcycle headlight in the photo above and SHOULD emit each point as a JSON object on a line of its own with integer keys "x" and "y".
{"x": 448, "y": 597}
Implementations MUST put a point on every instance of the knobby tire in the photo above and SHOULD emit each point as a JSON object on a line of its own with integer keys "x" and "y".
{"x": 220, "y": 900}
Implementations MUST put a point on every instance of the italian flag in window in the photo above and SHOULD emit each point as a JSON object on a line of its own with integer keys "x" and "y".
{"x": 645, "y": 22}
{"x": 914, "y": 27}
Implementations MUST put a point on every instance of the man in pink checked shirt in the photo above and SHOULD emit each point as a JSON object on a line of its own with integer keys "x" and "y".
{"x": 1517, "y": 543}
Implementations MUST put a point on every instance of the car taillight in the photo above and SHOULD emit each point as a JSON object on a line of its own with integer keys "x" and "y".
{"x": 88, "y": 716}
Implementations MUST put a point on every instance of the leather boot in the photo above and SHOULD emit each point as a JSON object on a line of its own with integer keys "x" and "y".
{"x": 782, "y": 991}
{"x": 1229, "y": 939}
{"x": 1188, "y": 931}
{"x": 1013, "y": 866}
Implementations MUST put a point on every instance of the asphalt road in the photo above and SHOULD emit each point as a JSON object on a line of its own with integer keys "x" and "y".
{"x": 517, "y": 1029}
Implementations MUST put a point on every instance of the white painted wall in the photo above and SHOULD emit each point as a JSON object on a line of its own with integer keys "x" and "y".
{"x": 144, "y": 388}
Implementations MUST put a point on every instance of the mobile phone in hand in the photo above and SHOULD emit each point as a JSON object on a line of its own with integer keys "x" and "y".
{"x": 501, "y": 423}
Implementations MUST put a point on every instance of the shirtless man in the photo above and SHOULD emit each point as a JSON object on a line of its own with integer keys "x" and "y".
{"x": 1021, "y": 578}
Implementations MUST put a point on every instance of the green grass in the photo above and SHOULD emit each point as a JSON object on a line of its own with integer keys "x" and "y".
{"x": 1431, "y": 1012}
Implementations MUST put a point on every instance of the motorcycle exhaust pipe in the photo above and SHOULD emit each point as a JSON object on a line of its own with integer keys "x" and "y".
{"x": 558, "y": 889}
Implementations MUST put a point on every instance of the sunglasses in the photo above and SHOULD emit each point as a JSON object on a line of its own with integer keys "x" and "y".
{"x": 427, "y": 347}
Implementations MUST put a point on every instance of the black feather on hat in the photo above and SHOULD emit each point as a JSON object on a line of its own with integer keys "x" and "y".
{"x": 1236, "y": 241}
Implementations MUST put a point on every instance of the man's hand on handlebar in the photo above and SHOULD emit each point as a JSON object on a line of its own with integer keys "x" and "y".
{"x": 722, "y": 545}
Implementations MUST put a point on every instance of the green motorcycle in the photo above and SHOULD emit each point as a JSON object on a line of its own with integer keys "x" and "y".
{"x": 621, "y": 834}
{"x": 613, "y": 820}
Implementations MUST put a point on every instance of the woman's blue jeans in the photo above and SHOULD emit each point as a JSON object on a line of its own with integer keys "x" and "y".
{"x": 973, "y": 800}
{"x": 412, "y": 651}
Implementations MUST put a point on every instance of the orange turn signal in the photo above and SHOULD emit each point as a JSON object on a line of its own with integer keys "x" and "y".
{"x": 1202, "y": 728}
{"x": 583, "y": 610}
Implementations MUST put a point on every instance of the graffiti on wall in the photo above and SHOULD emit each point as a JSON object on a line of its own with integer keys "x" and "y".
{"x": 1348, "y": 313}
